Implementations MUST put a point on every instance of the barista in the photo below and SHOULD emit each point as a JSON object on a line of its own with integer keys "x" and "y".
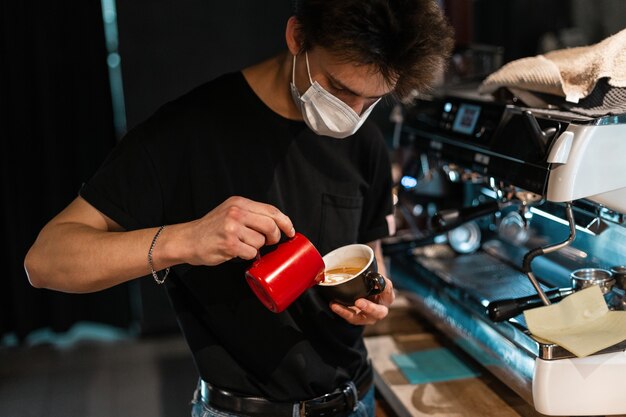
{"x": 190, "y": 196}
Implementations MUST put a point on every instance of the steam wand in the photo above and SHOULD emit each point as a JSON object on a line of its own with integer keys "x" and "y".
{"x": 532, "y": 254}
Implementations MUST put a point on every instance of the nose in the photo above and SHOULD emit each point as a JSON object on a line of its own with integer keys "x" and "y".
{"x": 360, "y": 104}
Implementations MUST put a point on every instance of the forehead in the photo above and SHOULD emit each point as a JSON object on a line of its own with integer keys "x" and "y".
{"x": 362, "y": 78}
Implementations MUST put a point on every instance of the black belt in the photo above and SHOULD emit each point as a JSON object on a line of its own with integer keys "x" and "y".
{"x": 340, "y": 402}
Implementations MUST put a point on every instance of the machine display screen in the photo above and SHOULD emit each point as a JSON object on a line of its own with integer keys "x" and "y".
{"x": 466, "y": 118}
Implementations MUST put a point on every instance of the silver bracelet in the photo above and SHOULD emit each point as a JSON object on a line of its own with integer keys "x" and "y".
{"x": 155, "y": 274}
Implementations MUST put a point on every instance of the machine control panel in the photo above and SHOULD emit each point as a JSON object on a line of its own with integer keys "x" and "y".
{"x": 494, "y": 139}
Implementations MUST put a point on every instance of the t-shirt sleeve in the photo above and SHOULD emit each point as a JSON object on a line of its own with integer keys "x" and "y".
{"x": 126, "y": 187}
{"x": 378, "y": 201}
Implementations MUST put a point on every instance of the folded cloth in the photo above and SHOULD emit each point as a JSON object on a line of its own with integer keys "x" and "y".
{"x": 571, "y": 73}
{"x": 603, "y": 100}
{"x": 581, "y": 323}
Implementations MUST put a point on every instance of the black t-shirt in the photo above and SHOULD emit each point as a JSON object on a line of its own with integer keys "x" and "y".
{"x": 221, "y": 140}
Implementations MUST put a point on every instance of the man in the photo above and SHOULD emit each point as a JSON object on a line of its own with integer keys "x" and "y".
{"x": 238, "y": 164}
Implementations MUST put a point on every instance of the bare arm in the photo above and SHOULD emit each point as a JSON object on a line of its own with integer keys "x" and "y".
{"x": 82, "y": 250}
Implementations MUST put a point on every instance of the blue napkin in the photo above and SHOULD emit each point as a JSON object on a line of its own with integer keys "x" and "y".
{"x": 432, "y": 365}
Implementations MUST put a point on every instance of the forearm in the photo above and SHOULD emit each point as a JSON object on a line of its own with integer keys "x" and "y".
{"x": 74, "y": 257}
{"x": 82, "y": 250}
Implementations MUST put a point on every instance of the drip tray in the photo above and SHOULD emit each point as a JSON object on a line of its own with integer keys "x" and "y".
{"x": 480, "y": 275}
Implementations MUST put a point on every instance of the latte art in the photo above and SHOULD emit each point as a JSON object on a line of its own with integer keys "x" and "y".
{"x": 335, "y": 276}
{"x": 331, "y": 279}
{"x": 338, "y": 274}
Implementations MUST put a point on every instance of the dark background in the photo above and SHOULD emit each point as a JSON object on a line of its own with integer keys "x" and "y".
{"x": 169, "y": 46}
{"x": 56, "y": 118}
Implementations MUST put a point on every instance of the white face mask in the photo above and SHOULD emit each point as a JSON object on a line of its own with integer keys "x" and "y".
{"x": 324, "y": 113}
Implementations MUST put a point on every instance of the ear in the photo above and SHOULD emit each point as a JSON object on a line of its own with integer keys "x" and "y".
{"x": 293, "y": 36}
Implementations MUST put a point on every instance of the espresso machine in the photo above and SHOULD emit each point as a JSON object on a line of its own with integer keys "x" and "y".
{"x": 498, "y": 205}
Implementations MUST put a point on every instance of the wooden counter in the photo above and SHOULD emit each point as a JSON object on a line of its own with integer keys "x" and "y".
{"x": 404, "y": 331}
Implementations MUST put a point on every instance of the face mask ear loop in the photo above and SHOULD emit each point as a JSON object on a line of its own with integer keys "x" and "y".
{"x": 306, "y": 56}
{"x": 293, "y": 71}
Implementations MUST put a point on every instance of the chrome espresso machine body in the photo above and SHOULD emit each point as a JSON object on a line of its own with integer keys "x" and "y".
{"x": 521, "y": 179}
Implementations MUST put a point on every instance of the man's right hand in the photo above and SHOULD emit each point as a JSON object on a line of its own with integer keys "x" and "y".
{"x": 237, "y": 228}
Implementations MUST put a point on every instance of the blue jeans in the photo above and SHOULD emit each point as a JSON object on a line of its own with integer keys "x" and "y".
{"x": 365, "y": 408}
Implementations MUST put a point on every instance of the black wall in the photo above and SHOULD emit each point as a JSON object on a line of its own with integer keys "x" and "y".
{"x": 170, "y": 46}
{"x": 517, "y": 25}
{"x": 55, "y": 130}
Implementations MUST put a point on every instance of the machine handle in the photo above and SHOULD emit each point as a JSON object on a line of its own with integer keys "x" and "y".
{"x": 505, "y": 309}
{"x": 539, "y": 136}
{"x": 445, "y": 220}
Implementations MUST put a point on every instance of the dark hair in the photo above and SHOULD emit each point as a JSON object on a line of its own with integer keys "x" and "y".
{"x": 410, "y": 40}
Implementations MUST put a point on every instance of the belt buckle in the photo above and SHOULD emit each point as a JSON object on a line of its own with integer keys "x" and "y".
{"x": 351, "y": 394}
{"x": 305, "y": 406}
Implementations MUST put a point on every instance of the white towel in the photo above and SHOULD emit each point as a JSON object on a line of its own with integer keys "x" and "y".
{"x": 571, "y": 73}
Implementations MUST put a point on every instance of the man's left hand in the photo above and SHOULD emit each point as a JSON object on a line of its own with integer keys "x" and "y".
{"x": 367, "y": 311}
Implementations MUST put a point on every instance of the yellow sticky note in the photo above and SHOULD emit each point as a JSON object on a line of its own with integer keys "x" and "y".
{"x": 581, "y": 323}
